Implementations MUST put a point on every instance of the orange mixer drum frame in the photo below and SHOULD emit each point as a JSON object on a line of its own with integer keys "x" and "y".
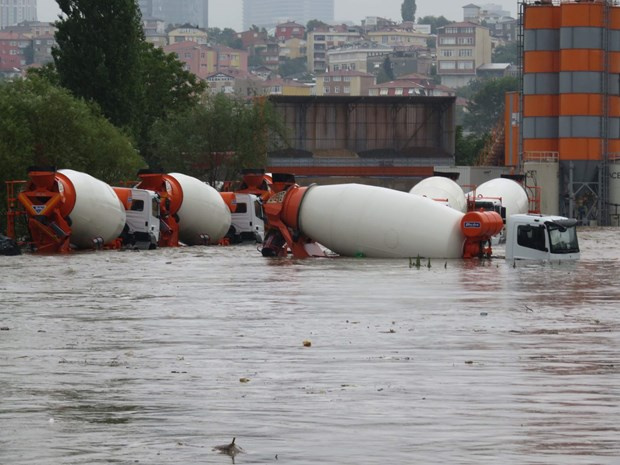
{"x": 171, "y": 194}
{"x": 49, "y": 197}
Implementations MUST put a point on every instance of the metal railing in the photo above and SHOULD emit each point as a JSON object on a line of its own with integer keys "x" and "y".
{"x": 541, "y": 157}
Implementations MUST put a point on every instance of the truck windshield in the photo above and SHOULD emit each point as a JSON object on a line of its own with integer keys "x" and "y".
{"x": 562, "y": 239}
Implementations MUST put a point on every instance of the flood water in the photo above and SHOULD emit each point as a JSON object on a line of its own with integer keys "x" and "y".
{"x": 156, "y": 357}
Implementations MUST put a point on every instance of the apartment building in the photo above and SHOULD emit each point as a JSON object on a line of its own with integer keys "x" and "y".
{"x": 461, "y": 49}
{"x": 290, "y": 30}
{"x": 344, "y": 83}
{"x": 399, "y": 38}
{"x": 15, "y": 11}
{"x": 319, "y": 42}
{"x": 187, "y": 34}
{"x": 355, "y": 56}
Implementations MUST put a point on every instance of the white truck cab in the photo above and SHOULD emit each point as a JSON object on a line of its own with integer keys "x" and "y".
{"x": 142, "y": 224}
{"x": 247, "y": 220}
{"x": 540, "y": 237}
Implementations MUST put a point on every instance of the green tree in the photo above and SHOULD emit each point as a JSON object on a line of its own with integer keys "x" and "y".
{"x": 468, "y": 147}
{"x": 98, "y": 55}
{"x": 167, "y": 89}
{"x": 314, "y": 24}
{"x": 486, "y": 106}
{"x": 296, "y": 66}
{"x": 214, "y": 141}
{"x": 508, "y": 53}
{"x": 42, "y": 124}
{"x": 407, "y": 10}
{"x": 434, "y": 21}
{"x": 388, "y": 69}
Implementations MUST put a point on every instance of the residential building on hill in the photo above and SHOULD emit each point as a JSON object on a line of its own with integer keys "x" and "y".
{"x": 290, "y": 30}
{"x": 319, "y": 42}
{"x": 268, "y": 13}
{"x": 399, "y": 37}
{"x": 13, "y": 47}
{"x": 355, "y": 56}
{"x": 411, "y": 85}
{"x": 345, "y": 83}
{"x": 15, "y": 11}
{"x": 461, "y": 49}
{"x": 195, "y": 12}
{"x": 187, "y": 34}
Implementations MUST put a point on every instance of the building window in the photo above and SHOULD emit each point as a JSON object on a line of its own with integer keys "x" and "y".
{"x": 466, "y": 52}
{"x": 465, "y": 40}
{"x": 337, "y": 78}
{"x": 373, "y": 92}
{"x": 452, "y": 30}
{"x": 448, "y": 64}
{"x": 347, "y": 78}
{"x": 383, "y": 91}
{"x": 352, "y": 66}
{"x": 326, "y": 79}
{"x": 467, "y": 30}
{"x": 347, "y": 90}
{"x": 399, "y": 91}
{"x": 336, "y": 67}
{"x": 447, "y": 40}
{"x": 336, "y": 90}
{"x": 448, "y": 52}
{"x": 466, "y": 64}
{"x": 327, "y": 90}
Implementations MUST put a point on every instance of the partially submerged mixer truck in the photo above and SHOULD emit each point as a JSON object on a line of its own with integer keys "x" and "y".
{"x": 369, "y": 221}
{"x": 68, "y": 210}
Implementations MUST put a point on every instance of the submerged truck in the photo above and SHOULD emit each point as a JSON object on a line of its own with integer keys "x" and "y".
{"x": 539, "y": 237}
{"x": 247, "y": 223}
{"x": 142, "y": 211}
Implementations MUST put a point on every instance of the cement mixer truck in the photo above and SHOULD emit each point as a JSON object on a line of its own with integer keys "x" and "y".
{"x": 192, "y": 212}
{"x": 67, "y": 210}
{"x": 367, "y": 221}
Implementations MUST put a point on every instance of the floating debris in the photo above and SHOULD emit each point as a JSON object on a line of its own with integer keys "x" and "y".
{"x": 307, "y": 343}
{"x": 229, "y": 449}
{"x": 243, "y": 380}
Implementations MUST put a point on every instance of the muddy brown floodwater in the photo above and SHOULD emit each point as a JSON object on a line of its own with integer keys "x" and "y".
{"x": 156, "y": 357}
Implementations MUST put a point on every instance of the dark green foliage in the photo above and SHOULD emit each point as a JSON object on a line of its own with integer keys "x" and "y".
{"x": 98, "y": 55}
{"x": 41, "y": 124}
{"x": 293, "y": 67}
{"x": 314, "y": 24}
{"x": 226, "y": 36}
{"x": 407, "y": 10}
{"x": 214, "y": 141}
{"x": 102, "y": 57}
{"x": 486, "y": 105}
{"x": 468, "y": 147}
{"x": 167, "y": 89}
{"x": 508, "y": 53}
{"x": 386, "y": 73}
{"x": 434, "y": 21}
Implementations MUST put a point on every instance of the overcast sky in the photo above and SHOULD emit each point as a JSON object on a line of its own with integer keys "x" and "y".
{"x": 227, "y": 13}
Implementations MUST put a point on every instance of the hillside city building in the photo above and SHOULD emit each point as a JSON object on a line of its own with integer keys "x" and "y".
{"x": 268, "y": 13}
{"x": 195, "y": 12}
{"x": 16, "y": 11}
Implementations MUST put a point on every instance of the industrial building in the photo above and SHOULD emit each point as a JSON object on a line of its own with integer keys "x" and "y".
{"x": 563, "y": 129}
{"x": 195, "y": 12}
{"x": 387, "y": 141}
{"x": 269, "y": 13}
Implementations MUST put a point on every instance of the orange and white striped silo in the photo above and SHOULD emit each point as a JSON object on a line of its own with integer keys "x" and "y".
{"x": 571, "y": 97}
